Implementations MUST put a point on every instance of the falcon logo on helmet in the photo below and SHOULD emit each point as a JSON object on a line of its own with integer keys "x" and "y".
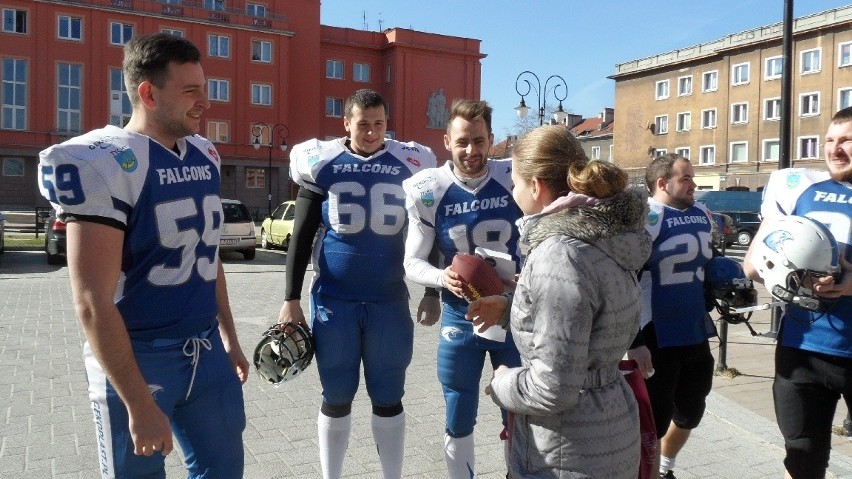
{"x": 284, "y": 351}
{"x": 791, "y": 255}
{"x": 727, "y": 288}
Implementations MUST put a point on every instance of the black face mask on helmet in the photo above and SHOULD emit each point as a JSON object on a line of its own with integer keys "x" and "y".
{"x": 284, "y": 351}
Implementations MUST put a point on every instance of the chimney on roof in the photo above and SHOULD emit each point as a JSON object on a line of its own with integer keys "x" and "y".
{"x": 572, "y": 120}
{"x": 607, "y": 116}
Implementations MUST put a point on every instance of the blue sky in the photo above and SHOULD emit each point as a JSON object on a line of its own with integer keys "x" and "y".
{"x": 581, "y": 41}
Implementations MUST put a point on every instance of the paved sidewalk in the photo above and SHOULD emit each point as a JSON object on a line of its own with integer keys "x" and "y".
{"x": 46, "y": 429}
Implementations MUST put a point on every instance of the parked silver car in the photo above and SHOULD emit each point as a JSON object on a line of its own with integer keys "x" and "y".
{"x": 238, "y": 232}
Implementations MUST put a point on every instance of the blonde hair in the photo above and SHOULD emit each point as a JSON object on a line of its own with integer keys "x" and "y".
{"x": 552, "y": 154}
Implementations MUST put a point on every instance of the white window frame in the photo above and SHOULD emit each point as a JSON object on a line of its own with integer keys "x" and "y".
{"x": 14, "y": 28}
{"x": 336, "y": 110}
{"x": 683, "y": 151}
{"x": 812, "y": 68}
{"x": 701, "y": 155}
{"x": 768, "y": 73}
{"x": 661, "y": 124}
{"x": 680, "y": 124}
{"x": 713, "y": 77}
{"x": 261, "y": 94}
{"x": 68, "y": 22}
{"x": 684, "y": 85}
{"x": 764, "y": 150}
{"x": 174, "y": 31}
{"x": 733, "y": 144}
{"x": 740, "y": 73}
{"x": 841, "y": 92}
{"x": 739, "y": 113}
{"x": 215, "y": 5}
{"x": 767, "y": 109}
{"x": 218, "y": 131}
{"x": 809, "y": 104}
{"x": 255, "y": 9}
{"x": 255, "y": 178}
{"x": 336, "y": 69}
{"x": 261, "y": 51}
{"x": 360, "y": 72}
{"x": 13, "y": 116}
{"x": 596, "y": 153}
{"x": 216, "y": 44}
{"x": 660, "y": 152}
{"x": 120, "y": 29}
{"x": 800, "y": 142}
{"x": 664, "y": 84}
{"x": 844, "y": 47}
{"x": 66, "y": 115}
{"x": 611, "y": 158}
{"x": 705, "y": 124}
{"x": 218, "y": 90}
{"x": 120, "y": 108}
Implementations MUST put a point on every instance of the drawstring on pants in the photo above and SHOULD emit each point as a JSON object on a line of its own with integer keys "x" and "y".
{"x": 195, "y": 354}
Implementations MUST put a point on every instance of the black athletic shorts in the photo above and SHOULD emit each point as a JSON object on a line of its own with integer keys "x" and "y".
{"x": 806, "y": 390}
{"x": 683, "y": 377}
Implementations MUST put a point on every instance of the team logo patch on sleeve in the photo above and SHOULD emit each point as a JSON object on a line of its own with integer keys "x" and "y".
{"x": 428, "y": 198}
{"x": 653, "y": 218}
{"x": 413, "y": 161}
{"x": 213, "y": 153}
{"x": 793, "y": 179}
{"x": 126, "y": 159}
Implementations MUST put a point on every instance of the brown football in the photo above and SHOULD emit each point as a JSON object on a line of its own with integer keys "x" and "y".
{"x": 479, "y": 279}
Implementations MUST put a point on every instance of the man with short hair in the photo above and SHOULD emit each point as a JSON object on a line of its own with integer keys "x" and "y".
{"x": 144, "y": 217}
{"x": 465, "y": 204}
{"x": 813, "y": 359}
{"x": 672, "y": 348}
{"x": 351, "y": 191}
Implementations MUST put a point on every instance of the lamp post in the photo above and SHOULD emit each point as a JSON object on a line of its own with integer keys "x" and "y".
{"x": 278, "y": 129}
{"x": 522, "y": 109}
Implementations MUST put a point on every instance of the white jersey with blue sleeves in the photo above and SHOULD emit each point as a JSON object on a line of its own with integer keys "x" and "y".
{"x": 673, "y": 278}
{"x": 463, "y": 219}
{"x": 801, "y": 192}
{"x": 170, "y": 210}
{"x": 359, "y": 252}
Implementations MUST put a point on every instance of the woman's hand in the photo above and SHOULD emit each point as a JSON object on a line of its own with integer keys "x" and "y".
{"x": 486, "y": 312}
{"x": 500, "y": 370}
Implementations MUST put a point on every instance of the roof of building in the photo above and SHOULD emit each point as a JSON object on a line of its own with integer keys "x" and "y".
{"x": 504, "y": 148}
{"x": 774, "y": 32}
{"x": 592, "y": 127}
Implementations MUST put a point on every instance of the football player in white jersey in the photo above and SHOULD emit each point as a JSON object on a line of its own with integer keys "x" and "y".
{"x": 465, "y": 204}
{"x": 675, "y": 326}
{"x": 813, "y": 358}
{"x": 351, "y": 192}
{"x": 144, "y": 216}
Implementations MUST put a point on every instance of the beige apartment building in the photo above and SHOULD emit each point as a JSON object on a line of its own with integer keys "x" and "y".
{"x": 719, "y": 103}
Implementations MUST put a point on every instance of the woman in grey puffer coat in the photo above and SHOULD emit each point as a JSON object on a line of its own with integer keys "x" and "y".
{"x": 574, "y": 313}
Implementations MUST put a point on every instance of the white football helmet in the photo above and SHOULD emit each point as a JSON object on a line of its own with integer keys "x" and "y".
{"x": 790, "y": 254}
{"x": 285, "y": 351}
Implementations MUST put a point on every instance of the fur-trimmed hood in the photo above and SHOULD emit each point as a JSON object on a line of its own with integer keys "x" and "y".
{"x": 616, "y": 226}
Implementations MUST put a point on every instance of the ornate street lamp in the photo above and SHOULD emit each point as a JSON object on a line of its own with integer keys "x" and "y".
{"x": 278, "y": 129}
{"x": 522, "y": 109}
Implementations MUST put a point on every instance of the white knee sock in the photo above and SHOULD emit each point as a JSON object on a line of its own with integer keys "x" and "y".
{"x": 389, "y": 434}
{"x": 667, "y": 464}
{"x": 333, "y": 435}
{"x": 460, "y": 457}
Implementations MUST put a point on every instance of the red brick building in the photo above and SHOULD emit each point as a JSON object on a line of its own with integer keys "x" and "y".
{"x": 266, "y": 61}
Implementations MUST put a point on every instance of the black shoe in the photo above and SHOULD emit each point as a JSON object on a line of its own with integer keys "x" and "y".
{"x": 667, "y": 475}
